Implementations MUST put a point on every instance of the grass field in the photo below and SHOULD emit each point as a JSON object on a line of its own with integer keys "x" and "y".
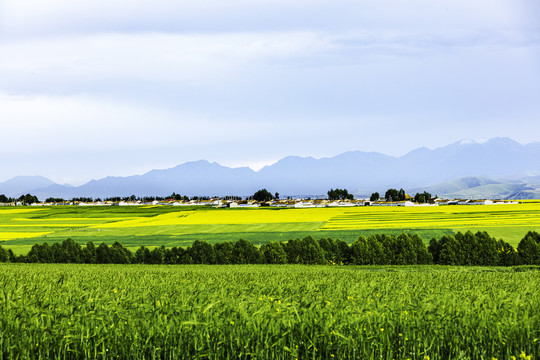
{"x": 268, "y": 312}
{"x": 133, "y": 226}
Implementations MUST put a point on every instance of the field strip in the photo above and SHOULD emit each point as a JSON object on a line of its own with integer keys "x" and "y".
{"x": 19, "y": 210}
{"x": 20, "y": 235}
{"x": 230, "y": 217}
{"x": 88, "y": 219}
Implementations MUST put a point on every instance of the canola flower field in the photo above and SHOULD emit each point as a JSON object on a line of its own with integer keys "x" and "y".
{"x": 133, "y": 226}
{"x": 268, "y": 312}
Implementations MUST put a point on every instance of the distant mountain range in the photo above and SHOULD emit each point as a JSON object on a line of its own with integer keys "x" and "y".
{"x": 497, "y": 168}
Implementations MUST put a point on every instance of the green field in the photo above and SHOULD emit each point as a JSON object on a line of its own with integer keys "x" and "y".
{"x": 21, "y": 227}
{"x": 268, "y": 312}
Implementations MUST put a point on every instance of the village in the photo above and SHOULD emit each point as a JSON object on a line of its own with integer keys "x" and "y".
{"x": 290, "y": 202}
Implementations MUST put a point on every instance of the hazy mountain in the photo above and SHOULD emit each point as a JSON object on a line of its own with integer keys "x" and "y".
{"x": 499, "y": 167}
{"x": 20, "y": 185}
{"x": 478, "y": 187}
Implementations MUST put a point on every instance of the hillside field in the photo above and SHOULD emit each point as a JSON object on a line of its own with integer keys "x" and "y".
{"x": 21, "y": 227}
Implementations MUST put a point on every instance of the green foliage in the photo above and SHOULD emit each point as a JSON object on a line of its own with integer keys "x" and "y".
{"x": 28, "y": 199}
{"x": 339, "y": 194}
{"x": 4, "y": 256}
{"x": 244, "y": 252}
{"x": 529, "y": 248}
{"x": 274, "y": 253}
{"x": 5, "y": 199}
{"x": 375, "y": 196}
{"x": 394, "y": 195}
{"x": 224, "y": 252}
{"x": 422, "y": 197}
{"x": 263, "y": 195}
{"x": 468, "y": 249}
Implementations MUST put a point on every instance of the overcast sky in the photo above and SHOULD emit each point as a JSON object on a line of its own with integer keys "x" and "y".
{"x": 90, "y": 88}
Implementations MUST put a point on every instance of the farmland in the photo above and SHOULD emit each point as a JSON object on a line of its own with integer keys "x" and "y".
{"x": 22, "y": 227}
{"x": 264, "y": 311}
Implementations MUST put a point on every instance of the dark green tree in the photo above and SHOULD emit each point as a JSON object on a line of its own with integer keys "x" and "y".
{"x": 119, "y": 254}
{"x": 404, "y": 251}
{"x": 422, "y": 254}
{"x": 202, "y": 252}
{"x": 224, "y": 252}
{"x": 71, "y": 251}
{"x": 339, "y": 194}
{"x": 488, "y": 253}
{"x": 434, "y": 249}
{"x": 142, "y": 256}
{"x": 28, "y": 199}
{"x": 274, "y": 253}
{"x": 508, "y": 256}
{"x": 360, "y": 252}
{"x": 103, "y": 254}
{"x": 293, "y": 250}
{"x": 244, "y": 252}
{"x": 422, "y": 197}
{"x": 4, "y": 257}
{"x": 374, "y": 197}
{"x": 529, "y": 249}
{"x": 395, "y": 195}
{"x": 311, "y": 252}
{"x": 450, "y": 251}
{"x": 88, "y": 253}
{"x": 177, "y": 254}
{"x": 262, "y": 195}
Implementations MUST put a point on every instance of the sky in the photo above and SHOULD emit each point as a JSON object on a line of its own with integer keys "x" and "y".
{"x": 119, "y": 87}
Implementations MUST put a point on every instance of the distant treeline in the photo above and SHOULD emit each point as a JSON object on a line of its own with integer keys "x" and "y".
{"x": 461, "y": 249}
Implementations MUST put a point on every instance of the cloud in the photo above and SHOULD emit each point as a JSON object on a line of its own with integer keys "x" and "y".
{"x": 91, "y": 88}
{"x": 57, "y": 17}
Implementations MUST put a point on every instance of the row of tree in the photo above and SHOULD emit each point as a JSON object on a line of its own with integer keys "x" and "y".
{"x": 404, "y": 249}
{"x": 400, "y": 195}
{"x": 24, "y": 199}
{"x": 339, "y": 194}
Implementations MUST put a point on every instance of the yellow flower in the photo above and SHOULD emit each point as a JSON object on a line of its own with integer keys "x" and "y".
{"x": 231, "y": 322}
{"x": 426, "y": 357}
{"x": 382, "y": 329}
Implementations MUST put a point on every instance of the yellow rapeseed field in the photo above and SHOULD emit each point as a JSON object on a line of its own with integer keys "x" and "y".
{"x": 237, "y": 217}
{"x": 442, "y": 217}
{"x": 20, "y": 235}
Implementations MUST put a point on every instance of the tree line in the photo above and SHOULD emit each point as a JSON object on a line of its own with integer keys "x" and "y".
{"x": 400, "y": 195}
{"x": 379, "y": 249}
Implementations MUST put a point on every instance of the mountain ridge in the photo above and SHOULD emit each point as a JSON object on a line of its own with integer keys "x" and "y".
{"x": 502, "y": 160}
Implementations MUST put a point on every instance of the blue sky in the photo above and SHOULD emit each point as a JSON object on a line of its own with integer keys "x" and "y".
{"x": 117, "y": 87}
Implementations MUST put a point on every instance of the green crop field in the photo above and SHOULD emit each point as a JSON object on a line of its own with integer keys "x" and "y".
{"x": 21, "y": 227}
{"x": 268, "y": 312}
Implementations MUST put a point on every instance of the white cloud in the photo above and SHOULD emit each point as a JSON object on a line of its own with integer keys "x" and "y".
{"x": 117, "y": 87}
